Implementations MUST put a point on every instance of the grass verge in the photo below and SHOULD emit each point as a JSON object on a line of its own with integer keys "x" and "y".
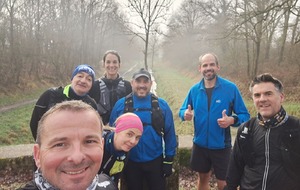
{"x": 15, "y": 126}
{"x": 173, "y": 85}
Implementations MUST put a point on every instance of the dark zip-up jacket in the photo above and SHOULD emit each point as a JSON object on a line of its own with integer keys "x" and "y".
{"x": 266, "y": 158}
{"x": 51, "y": 97}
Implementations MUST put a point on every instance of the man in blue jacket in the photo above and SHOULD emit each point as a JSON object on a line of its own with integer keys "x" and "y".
{"x": 214, "y": 104}
{"x": 151, "y": 159}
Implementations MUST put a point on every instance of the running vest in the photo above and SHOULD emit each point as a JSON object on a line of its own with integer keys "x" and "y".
{"x": 114, "y": 165}
{"x": 157, "y": 117}
{"x": 104, "y": 104}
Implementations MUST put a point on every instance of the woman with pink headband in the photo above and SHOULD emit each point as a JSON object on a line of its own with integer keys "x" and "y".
{"x": 127, "y": 133}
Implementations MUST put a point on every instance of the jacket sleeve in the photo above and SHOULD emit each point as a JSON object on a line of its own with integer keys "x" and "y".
{"x": 187, "y": 101}
{"x": 236, "y": 166}
{"x": 39, "y": 110}
{"x": 169, "y": 132}
{"x": 240, "y": 109}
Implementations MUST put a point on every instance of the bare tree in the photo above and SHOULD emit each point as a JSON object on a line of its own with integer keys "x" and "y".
{"x": 147, "y": 16}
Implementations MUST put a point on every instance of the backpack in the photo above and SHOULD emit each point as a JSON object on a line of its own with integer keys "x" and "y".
{"x": 157, "y": 117}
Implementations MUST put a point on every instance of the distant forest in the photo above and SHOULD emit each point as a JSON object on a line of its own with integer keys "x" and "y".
{"x": 44, "y": 40}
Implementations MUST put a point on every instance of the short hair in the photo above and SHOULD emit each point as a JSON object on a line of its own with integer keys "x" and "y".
{"x": 72, "y": 106}
{"x": 114, "y": 52}
{"x": 214, "y": 55}
{"x": 266, "y": 77}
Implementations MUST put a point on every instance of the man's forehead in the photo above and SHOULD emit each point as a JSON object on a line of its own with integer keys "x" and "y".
{"x": 264, "y": 87}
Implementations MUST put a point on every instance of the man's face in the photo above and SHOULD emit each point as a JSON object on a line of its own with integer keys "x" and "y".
{"x": 71, "y": 149}
{"x": 267, "y": 99}
{"x": 127, "y": 139}
{"x": 82, "y": 83}
{"x": 141, "y": 86}
{"x": 209, "y": 67}
{"x": 111, "y": 64}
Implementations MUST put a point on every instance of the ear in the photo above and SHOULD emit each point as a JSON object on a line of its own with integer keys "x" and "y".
{"x": 199, "y": 68}
{"x": 36, "y": 155}
{"x": 281, "y": 97}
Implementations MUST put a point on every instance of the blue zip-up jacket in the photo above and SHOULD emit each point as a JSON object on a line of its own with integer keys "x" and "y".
{"x": 150, "y": 145}
{"x": 225, "y": 95}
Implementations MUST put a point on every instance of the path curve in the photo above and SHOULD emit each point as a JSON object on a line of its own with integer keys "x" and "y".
{"x": 10, "y": 107}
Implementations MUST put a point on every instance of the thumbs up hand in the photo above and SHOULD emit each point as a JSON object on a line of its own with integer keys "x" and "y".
{"x": 225, "y": 121}
{"x": 188, "y": 114}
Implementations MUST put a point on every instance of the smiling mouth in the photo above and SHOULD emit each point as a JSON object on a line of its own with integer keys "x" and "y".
{"x": 75, "y": 172}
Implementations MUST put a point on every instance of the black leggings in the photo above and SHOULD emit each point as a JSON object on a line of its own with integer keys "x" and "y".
{"x": 136, "y": 173}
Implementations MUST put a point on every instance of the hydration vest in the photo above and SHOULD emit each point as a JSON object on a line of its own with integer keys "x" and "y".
{"x": 157, "y": 117}
{"x": 104, "y": 104}
{"x": 114, "y": 165}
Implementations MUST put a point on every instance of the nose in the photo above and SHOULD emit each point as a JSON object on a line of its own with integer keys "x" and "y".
{"x": 84, "y": 79}
{"x": 76, "y": 154}
{"x": 133, "y": 140}
{"x": 262, "y": 97}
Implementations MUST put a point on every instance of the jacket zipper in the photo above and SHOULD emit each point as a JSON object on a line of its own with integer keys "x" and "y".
{"x": 267, "y": 155}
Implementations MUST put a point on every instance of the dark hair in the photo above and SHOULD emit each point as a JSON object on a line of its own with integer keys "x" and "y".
{"x": 112, "y": 52}
{"x": 267, "y": 77}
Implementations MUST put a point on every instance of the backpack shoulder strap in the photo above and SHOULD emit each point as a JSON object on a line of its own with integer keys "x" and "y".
{"x": 158, "y": 121}
{"x": 128, "y": 103}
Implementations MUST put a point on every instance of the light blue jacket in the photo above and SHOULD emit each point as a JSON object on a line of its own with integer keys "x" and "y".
{"x": 225, "y": 95}
{"x": 150, "y": 145}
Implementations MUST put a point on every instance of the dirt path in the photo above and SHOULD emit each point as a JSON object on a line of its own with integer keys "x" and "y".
{"x": 10, "y": 107}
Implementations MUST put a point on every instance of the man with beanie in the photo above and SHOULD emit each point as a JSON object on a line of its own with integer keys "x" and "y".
{"x": 151, "y": 159}
{"x": 81, "y": 82}
{"x": 127, "y": 133}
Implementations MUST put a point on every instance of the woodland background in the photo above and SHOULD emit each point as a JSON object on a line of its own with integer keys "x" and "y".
{"x": 42, "y": 41}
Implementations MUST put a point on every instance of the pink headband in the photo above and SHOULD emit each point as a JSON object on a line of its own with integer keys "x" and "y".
{"x": 128, "y": 121}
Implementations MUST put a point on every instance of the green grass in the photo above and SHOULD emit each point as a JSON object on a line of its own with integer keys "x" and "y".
{"x": 15, "y": 126}
{"x": 173, "y": 86}
{"x": 20, "y": 96}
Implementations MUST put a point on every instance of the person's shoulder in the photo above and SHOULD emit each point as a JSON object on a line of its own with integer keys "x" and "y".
{"x": 163, "y": 103}
{"x": 91, "y": 101}
{"x": 248, "y": 124}
{"x": 294, "y": 117}
{"x": 198, "y": 85}
{"x": 105, "y": 182}
{"x": 51, "y": 92}
{"x": 295, "y": 120}
{"x": 127, "y": 83}
{"x": 120, "y": 103}
{"x": 97, "y": 82}
{"x": 227, "y": 82}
